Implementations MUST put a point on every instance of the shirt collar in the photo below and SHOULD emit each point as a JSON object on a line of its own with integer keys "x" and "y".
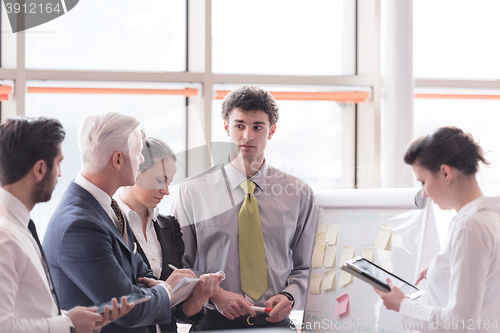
{"x": 236, "y": 177}
{"x": 127, "y": 211}
{"x": 478, "y": 204}
{"x": 15, "y": 207}
{"x": 155, "y": 212}
{"x": 102, "y": 197}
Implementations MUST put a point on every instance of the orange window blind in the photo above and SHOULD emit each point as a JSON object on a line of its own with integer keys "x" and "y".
{"x": 188, "y": 92}
{"x": 338, "y": 96}
{"x": 456, "y": 96}
{"x": 4, "y": 92}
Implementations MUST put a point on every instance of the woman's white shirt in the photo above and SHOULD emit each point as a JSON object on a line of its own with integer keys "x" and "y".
{"x": 464, "y": 278}
{"x": 151, "y": 246}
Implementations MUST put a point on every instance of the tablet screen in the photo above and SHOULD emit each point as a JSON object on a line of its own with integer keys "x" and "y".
{"x": 380, "y": 274}
{"x": 135, "y": 297}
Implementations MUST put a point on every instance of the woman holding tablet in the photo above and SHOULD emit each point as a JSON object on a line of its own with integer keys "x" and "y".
{"x": 158, "y": 237}
{"x": 464, "y": 278}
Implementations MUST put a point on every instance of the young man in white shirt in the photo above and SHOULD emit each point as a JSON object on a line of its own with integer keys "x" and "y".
{"x": 30, "y": 156}
{"x": 209, "y": 208}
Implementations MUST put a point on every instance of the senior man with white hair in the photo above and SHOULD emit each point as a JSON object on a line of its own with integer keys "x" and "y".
{"x": 89, "y": 244}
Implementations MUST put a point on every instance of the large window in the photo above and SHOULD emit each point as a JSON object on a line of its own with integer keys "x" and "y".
{"x": 455, "y": 50}
{"x": 456, "y": 39}
{"x": 284, "y": 37}
{"x": 161, "y": 116}
{"x": 295, "y": 46}
{"x": 123, "y": 35}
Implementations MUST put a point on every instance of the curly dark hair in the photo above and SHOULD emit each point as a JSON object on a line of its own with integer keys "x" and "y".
{"x": 250, "y": 98}
{"x": 447, "y": 145}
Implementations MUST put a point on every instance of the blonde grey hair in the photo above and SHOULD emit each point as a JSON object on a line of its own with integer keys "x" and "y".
{"x": 155, "y": 150}
{"x": 101, "y": 135}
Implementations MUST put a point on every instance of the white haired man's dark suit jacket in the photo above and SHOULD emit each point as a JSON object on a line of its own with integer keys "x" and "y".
{"x": 91, "y": 263}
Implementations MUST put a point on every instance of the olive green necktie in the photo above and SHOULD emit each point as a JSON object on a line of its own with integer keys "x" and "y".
{"x": 251, "y": 241}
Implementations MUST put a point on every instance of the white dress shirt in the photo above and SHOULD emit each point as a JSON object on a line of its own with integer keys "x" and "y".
{"x": 151, "y": 246}
{"x": 464, "y": 278}
{"x": 102, "y": 197}
{"x": 207, "y": 207}
{"x": 26, "y": 303}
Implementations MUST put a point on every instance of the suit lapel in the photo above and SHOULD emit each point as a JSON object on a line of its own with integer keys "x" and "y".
{"x": 143, "y": 255}
{"x": 89, "y": 198}
{"x": 165, "y": 270}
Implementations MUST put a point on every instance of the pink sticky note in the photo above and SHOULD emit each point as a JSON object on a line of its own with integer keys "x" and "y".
{"x": 343, "y": 302}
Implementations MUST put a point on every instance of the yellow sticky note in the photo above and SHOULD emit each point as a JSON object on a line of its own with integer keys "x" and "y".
{"x": 320, "y": 238}
{"x": 329, "y": 280}
{"x": 315, "y": 284}
{"x": 319, "y": 251}
{"x": 382, "y": 242}
{"x": 331, "y": 235}
{"x": 348, "y": 253}
{"x": 322, "y": 228}
{"x": 367, "y": 253}
{"x": 345, "y": 278}
{"x": 331, "y": 252}
{"x": 318, "y": 255}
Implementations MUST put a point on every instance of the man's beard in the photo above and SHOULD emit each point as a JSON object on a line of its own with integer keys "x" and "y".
{"x": 43, "y": 190}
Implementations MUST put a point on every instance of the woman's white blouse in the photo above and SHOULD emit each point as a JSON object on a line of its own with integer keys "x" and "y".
{"x": 464, "y": 278}
{"x": 151, "y": 246}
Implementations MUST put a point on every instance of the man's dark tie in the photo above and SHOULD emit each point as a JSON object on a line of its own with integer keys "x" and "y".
{"x": 121, "y": 219}
{"x": 32, "y": 228}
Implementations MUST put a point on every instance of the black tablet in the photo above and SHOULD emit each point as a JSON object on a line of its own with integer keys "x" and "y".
{"x": 376, "y": 275}
{"x": 135, "y": 297}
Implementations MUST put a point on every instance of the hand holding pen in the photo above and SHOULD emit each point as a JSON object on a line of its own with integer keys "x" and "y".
{"x": 217, "y": 273}
{"x": 208, "y": 285}
{"x": 171, "y": 281}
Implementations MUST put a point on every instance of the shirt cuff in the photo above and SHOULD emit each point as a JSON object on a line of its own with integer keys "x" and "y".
{"x": 415, "y": 310}
{"x": 180, "y": 316}
{"x": 405, "y": 307}
{"x": 164, "y": 285}
{"x": 294, "y": 290}
{"x": 58, "y": 324}
{"x": 291, "y": 299}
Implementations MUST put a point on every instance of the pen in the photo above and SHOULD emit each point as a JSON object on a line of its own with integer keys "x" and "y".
{"x": 261, "y": 309}
{"x": 218, "y": 273}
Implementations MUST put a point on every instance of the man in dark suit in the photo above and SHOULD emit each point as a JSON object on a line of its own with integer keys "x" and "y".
{"x": 89, "y": 245}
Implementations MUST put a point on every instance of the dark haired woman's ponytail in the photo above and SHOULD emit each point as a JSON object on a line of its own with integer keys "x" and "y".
{"x": 447, "y": 145}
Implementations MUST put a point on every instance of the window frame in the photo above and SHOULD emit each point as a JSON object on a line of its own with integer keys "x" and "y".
{"x": 364, "y": 132}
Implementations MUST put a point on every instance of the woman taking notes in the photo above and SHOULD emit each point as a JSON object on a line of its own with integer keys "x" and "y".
{"x": 464, "y": 278}
{"x": 158, "y": 237}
